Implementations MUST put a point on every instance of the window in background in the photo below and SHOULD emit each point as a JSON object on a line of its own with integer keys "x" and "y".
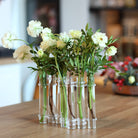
{"x": 46, "y": 11}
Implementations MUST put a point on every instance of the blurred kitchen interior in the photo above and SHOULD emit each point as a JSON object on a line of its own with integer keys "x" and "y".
{"x": 115, "y": 17}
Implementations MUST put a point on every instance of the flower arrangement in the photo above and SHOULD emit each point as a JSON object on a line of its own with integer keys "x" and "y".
{"x": 77, "y": 52}
{"x": 128, "y": 75}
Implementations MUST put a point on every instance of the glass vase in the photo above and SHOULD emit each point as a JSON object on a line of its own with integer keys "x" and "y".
{"x": 80, "y": 103}
{"x": 81, "y": 91}
{"x": 63, "y": 102}
{"x": 43, "y": 98}
{"x": 68, "y": 103}
{"x": 72, "y": 103}
{"x": 91, "y": 112}
{"x": 53, "y": 100}
{"x": 84, "y": 92}
{"x": 49, "y": 104}
{"x": 91, "y": 107}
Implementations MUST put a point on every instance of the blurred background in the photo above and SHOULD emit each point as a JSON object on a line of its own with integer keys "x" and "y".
{"x": 115, "y": 17}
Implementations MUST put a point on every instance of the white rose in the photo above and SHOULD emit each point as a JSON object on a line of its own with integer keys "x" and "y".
{"x": 46, "y": 30}
{"x": 45, "y": 44}
{"x": 40, "y": 52}
{"x": 60, "y": 44}
{"x": 131, "y": 79}
{"x": 75, "y": 34}
{"x": 64, "y": 37}
{"x": 100, "y": 39}
{"x": 7, "y": 40}
{"x": 22, "y": 54}
{"x": 111, "y": 51}
{"x": 34, "y": 28}
{"x": 46, "y": 34}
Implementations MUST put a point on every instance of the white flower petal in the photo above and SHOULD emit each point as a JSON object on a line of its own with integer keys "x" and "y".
{"x": 46, "y": 34}
{"x": 102, "y": 45}
{"x": 46, "y": 30}
{"x": 111, "y": 51}
{"x": 100, "y": 39}
{"x": 22, "y": 54}
{"x": 75, "y": 34}
{"x": 45, "y": 44}
{"x": 34, "y": 28}
{"x": 131, "y": 79}
{"x": 7, "y": 40}
{"x": 64, "y": 37}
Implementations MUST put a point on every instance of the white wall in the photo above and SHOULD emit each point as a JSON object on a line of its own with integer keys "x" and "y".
{"x": 12, "y": 18}
{"x": 28, "y": 81}
{"x": 18, "y": 22}
{"x": 5, "y": 17}
{"x": 17, "y": 83}
{"x": 74, "y": 14}
{"x": 10, "y": 86}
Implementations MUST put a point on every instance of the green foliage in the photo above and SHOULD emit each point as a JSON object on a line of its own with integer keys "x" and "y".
{"x": 78, "y": 55}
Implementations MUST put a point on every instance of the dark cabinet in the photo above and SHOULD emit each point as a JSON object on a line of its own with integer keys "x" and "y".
{"x": 121, "y": 22}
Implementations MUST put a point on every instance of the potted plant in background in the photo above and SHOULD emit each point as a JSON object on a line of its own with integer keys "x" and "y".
{"x": 127, "y": 81}
{"x": 66, "y": 64}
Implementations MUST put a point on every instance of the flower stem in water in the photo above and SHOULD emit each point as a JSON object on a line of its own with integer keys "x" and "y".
{"x": 44, "y": 97}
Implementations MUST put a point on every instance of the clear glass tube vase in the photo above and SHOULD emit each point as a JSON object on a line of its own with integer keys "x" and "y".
{"x": 72, "y": 104}
{"x": 53, "y": 100}
{"x": 49, "y": 104}
{"x": 91, "y": 107}
{"x": 43, "y": 98}
{"x": 68, "y": 103}
{"x": 81, "y": 90}
{"x": 63, "y": 104}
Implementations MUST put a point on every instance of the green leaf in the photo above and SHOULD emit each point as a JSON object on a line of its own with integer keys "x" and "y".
{"x": 35, "y": 69}
{"x": 112, "y": 67}
{"x": 76, "y": 62}
{"x": 87, "y": 26}
{"x": 122, "y": 74}
{"x": 31, "y": 46}
{"x": 114, "y": 40}
{"x": 71, "y": 61}
{"x": 36, "y": 48}
{"x": 93, "y": 57}
{"x": 83, "y": 32}
{"x": 111, "y": 37}
{"x": 110, "y": 62}
{"x": 31, "y": 51}
{"x": 44, "y": 74}
{"x": 98, "y": 30}
{"x": 89, "y": 32}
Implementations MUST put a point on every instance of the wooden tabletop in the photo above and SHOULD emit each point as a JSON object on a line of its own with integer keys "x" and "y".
{"x": 117, "y": 118}
{"x": 5, "y": 61}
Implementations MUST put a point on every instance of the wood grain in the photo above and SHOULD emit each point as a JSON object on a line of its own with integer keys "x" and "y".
{"x": 117, "y": 118}
{"x": 5, "y": 61}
